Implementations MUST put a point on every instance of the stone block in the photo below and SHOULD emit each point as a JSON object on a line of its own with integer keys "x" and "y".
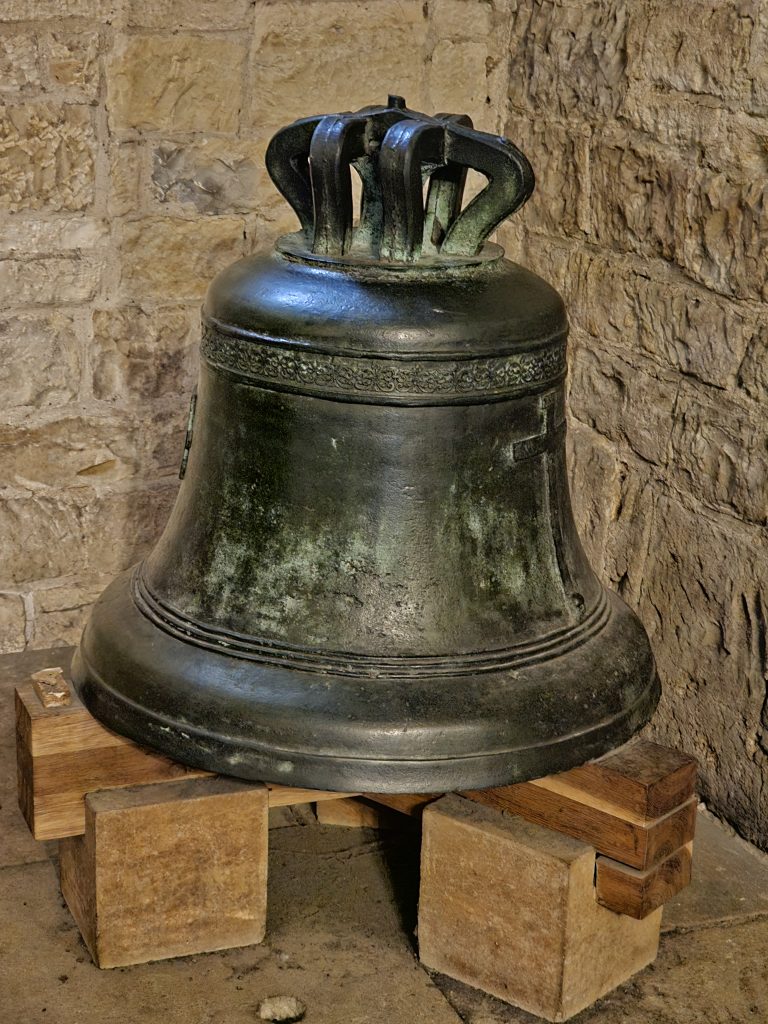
{"x": 12, "y": 623}
{"x": 60, "y": 612}
{"x": 626, "y": 401}
{"x": 753, "y": 371}
{"x": 19, "y": 62}
{"x": 458, "y": 71}
{"x": 211, "y": 175}
{"x": 360, "y": 52}
{"x": 46, "y": 157}
{"x": 703, "y": 602}
{"x": 560, "y": 261}
{"x": 30, "y": 235}
{"x": 38, "y": 10}
{"x": 720, "y": 452}
{"x": 128, "y": 188}
{"x": 50, "y": 533}
{"x": 49, "y": 280}
{"x": 191, "y": 14}
{"x": 725, "y": 241}
{"x": 169, "y": 870}
{"x": 174, "y": 260}
{"x": 41, "y": 537}
{"x": 465, "y": 19}
{"x": 64, "y": 450}
{"x": 710, "y": 218}
{"x": 730, "y": 139}
{"x": 638, "y": 194}
{"x": 139, "y": 354}
{"x": 182, "y": 83}
{"x": 569, "y": 57}
{"x": 635, "y": 306}
{"x": 120, "y": 528}
{"x": 510, "y": 908}
{"x": 71, "y": 59}
{"x": 559, "y": 204}
{"x": 41, "y": 359}
{"x": 467, "y": 69}
{"x": 665, "y": 54}
{"x": 613, "y": 503}
{"x": 758, "y": 68}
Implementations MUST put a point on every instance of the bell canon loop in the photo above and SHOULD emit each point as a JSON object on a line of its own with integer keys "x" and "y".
{"x": 371, "y": 579}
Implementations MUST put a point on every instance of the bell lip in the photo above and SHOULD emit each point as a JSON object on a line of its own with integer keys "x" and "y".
{"x": 333, "y": 773}
{"x": 253, "y": 758}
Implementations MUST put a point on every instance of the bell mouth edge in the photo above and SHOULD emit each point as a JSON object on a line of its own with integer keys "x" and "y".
{"x": 199, "y": 748}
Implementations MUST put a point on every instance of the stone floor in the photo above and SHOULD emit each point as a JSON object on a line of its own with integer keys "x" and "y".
{"x": 340, "y": 936}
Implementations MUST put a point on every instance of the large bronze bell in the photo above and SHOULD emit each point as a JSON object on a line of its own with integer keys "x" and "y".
{"x": 371, "y": 579}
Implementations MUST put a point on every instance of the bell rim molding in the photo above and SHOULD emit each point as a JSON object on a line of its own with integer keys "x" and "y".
{"x": 354, "y": 665}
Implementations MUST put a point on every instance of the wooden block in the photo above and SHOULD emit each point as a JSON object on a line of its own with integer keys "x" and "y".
{"x": 285, "y": 796}
{"x": 169, "y": 870}
{"x": 509, "y": 907}
{"x": 636, "y": 893}
{"x": 63, "y": 753}
{"x": 612, "y": 830}
{"x": 642, "y": 777}
{"x": 406, "y": 803}
{"x": 357, "y": 813}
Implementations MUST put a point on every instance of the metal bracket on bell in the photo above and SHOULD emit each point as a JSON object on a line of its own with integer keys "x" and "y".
{"x": 394, "y": 151}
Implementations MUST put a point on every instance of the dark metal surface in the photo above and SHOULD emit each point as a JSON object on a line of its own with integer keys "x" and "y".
{"x": 371, "y": 579}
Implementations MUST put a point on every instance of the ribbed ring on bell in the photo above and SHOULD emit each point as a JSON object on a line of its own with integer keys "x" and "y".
{"x": 344, "y": 663}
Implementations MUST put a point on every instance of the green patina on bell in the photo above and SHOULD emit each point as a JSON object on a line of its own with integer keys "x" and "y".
{"x": 371, "y": 579}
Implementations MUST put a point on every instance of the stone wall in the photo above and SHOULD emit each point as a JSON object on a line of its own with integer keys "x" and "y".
{"x": 647, "y": 126}
{"x": 132, "y": 135}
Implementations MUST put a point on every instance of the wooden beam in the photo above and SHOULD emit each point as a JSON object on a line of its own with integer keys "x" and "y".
{"x": 612, "y": 830}
{"x": 411, "y": 804}
{"x": 509, "y": 908}
{"x": 286, "y": 796}
{"x": 637, "y": 894}
{"x": 63, "y": 752}
{"x": 363, "y": 813}
{"x": 642, "y": 777}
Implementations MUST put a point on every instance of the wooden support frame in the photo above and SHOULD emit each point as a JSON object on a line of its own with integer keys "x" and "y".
{"x": 63, "y": 753}
{"x": 78, "y": 782}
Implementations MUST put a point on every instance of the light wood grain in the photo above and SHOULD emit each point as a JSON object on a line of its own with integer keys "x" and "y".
{"x": 63, "y": 753}
{"x": 169, "y": 870}
{"x": 363, "y": 813}
{"x": 509, "y": 908}
{"x": 407, "y": 803}
{"x": 286, "y": 796}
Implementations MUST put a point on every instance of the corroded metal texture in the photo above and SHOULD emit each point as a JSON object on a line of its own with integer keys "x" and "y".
{"x": 371, "y": 579}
